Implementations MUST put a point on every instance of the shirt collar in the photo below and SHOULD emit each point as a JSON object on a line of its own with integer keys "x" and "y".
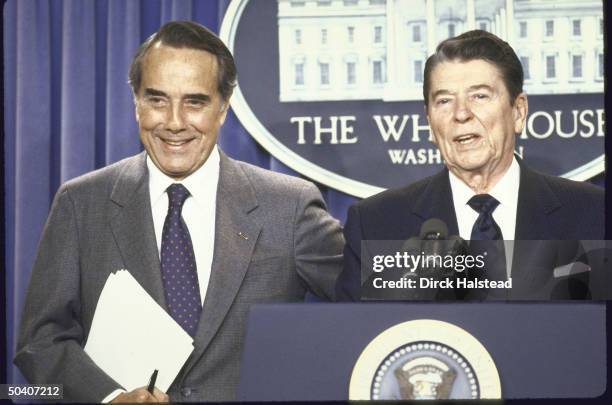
{"x": 505, "y": 191}
{"x": 201, "y": 184}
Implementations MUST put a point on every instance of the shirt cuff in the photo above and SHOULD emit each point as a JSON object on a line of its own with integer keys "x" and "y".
{"x": 112, "y": 395}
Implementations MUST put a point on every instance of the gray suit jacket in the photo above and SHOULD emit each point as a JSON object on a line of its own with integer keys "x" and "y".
{"x": 102, "y": 222}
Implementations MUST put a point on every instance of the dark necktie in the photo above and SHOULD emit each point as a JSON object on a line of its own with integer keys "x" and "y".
{"x": 485, "y": 227}
{"x": 178, "y": 266}
{"x": 484, "y": 234}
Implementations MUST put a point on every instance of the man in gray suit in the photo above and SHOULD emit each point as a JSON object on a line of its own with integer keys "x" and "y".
{"x": 250, "y": 235}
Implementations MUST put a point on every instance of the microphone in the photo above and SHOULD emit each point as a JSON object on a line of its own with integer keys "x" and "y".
{"x": 457, "y": 246}
{"x": 433, "y": 234}
{"x": 412, "y": 247}
{"x": 433, "y": 229}
{"x": 428, "y": 252}
{"x": 431, "y": 241}
{"x": 436, "y": 243}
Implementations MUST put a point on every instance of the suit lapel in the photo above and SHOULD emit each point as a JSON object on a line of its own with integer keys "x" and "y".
{"x": 236, "y": 233}
{"x": 132, "y": 226}
{"x": 436, "y": 201}
{"x": 536, "y": 205}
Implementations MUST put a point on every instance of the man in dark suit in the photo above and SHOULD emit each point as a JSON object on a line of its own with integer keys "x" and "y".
{"x": 246, "y": 235}
{"x": 475, "y": 106}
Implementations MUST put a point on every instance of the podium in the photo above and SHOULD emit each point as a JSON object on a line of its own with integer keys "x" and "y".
{"x": 306, "y": 352}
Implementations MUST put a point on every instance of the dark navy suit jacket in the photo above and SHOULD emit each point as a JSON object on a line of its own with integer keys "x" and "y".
{"x": 549, "y": 208}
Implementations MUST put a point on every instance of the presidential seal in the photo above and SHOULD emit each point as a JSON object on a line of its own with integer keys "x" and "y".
{"x": 424, "y": 359}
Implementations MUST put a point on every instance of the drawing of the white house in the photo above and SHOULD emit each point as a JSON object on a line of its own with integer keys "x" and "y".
{"x": 376, "y": 49}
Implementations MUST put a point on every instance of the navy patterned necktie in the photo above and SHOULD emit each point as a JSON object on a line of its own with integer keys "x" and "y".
{"x": 485, "y": 227}
{"x": 178, "y": 265}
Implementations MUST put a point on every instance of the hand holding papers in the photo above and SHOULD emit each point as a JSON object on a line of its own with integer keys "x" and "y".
{"x": 131, "y": 335}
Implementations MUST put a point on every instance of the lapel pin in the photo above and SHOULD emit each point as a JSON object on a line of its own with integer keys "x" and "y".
{"x": 243, "y": 236}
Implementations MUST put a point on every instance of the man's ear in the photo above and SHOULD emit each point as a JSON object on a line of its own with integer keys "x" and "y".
{"x": 519, "y": 112}
{"x": 136, "y": 113}
{"x": 223, "y": 111}
{"x": 432, "y": 138}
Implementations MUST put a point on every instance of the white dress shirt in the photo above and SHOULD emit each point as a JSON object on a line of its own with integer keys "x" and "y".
{"x": 198, "y": 211}
{"x": 505, "y": 191}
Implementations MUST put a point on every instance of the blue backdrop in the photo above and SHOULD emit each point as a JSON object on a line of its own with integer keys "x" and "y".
{"x": 68, "y": 110}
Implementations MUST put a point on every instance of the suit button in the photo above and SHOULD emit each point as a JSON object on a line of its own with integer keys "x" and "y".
{"x": 186, "y": 391}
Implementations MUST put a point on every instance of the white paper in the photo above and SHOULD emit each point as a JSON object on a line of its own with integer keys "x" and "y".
{"x": 131, "y": 335}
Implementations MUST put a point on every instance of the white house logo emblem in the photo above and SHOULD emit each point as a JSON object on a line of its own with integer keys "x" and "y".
{"x": 333, "y": 88}
{"x": 424, "y": 359}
